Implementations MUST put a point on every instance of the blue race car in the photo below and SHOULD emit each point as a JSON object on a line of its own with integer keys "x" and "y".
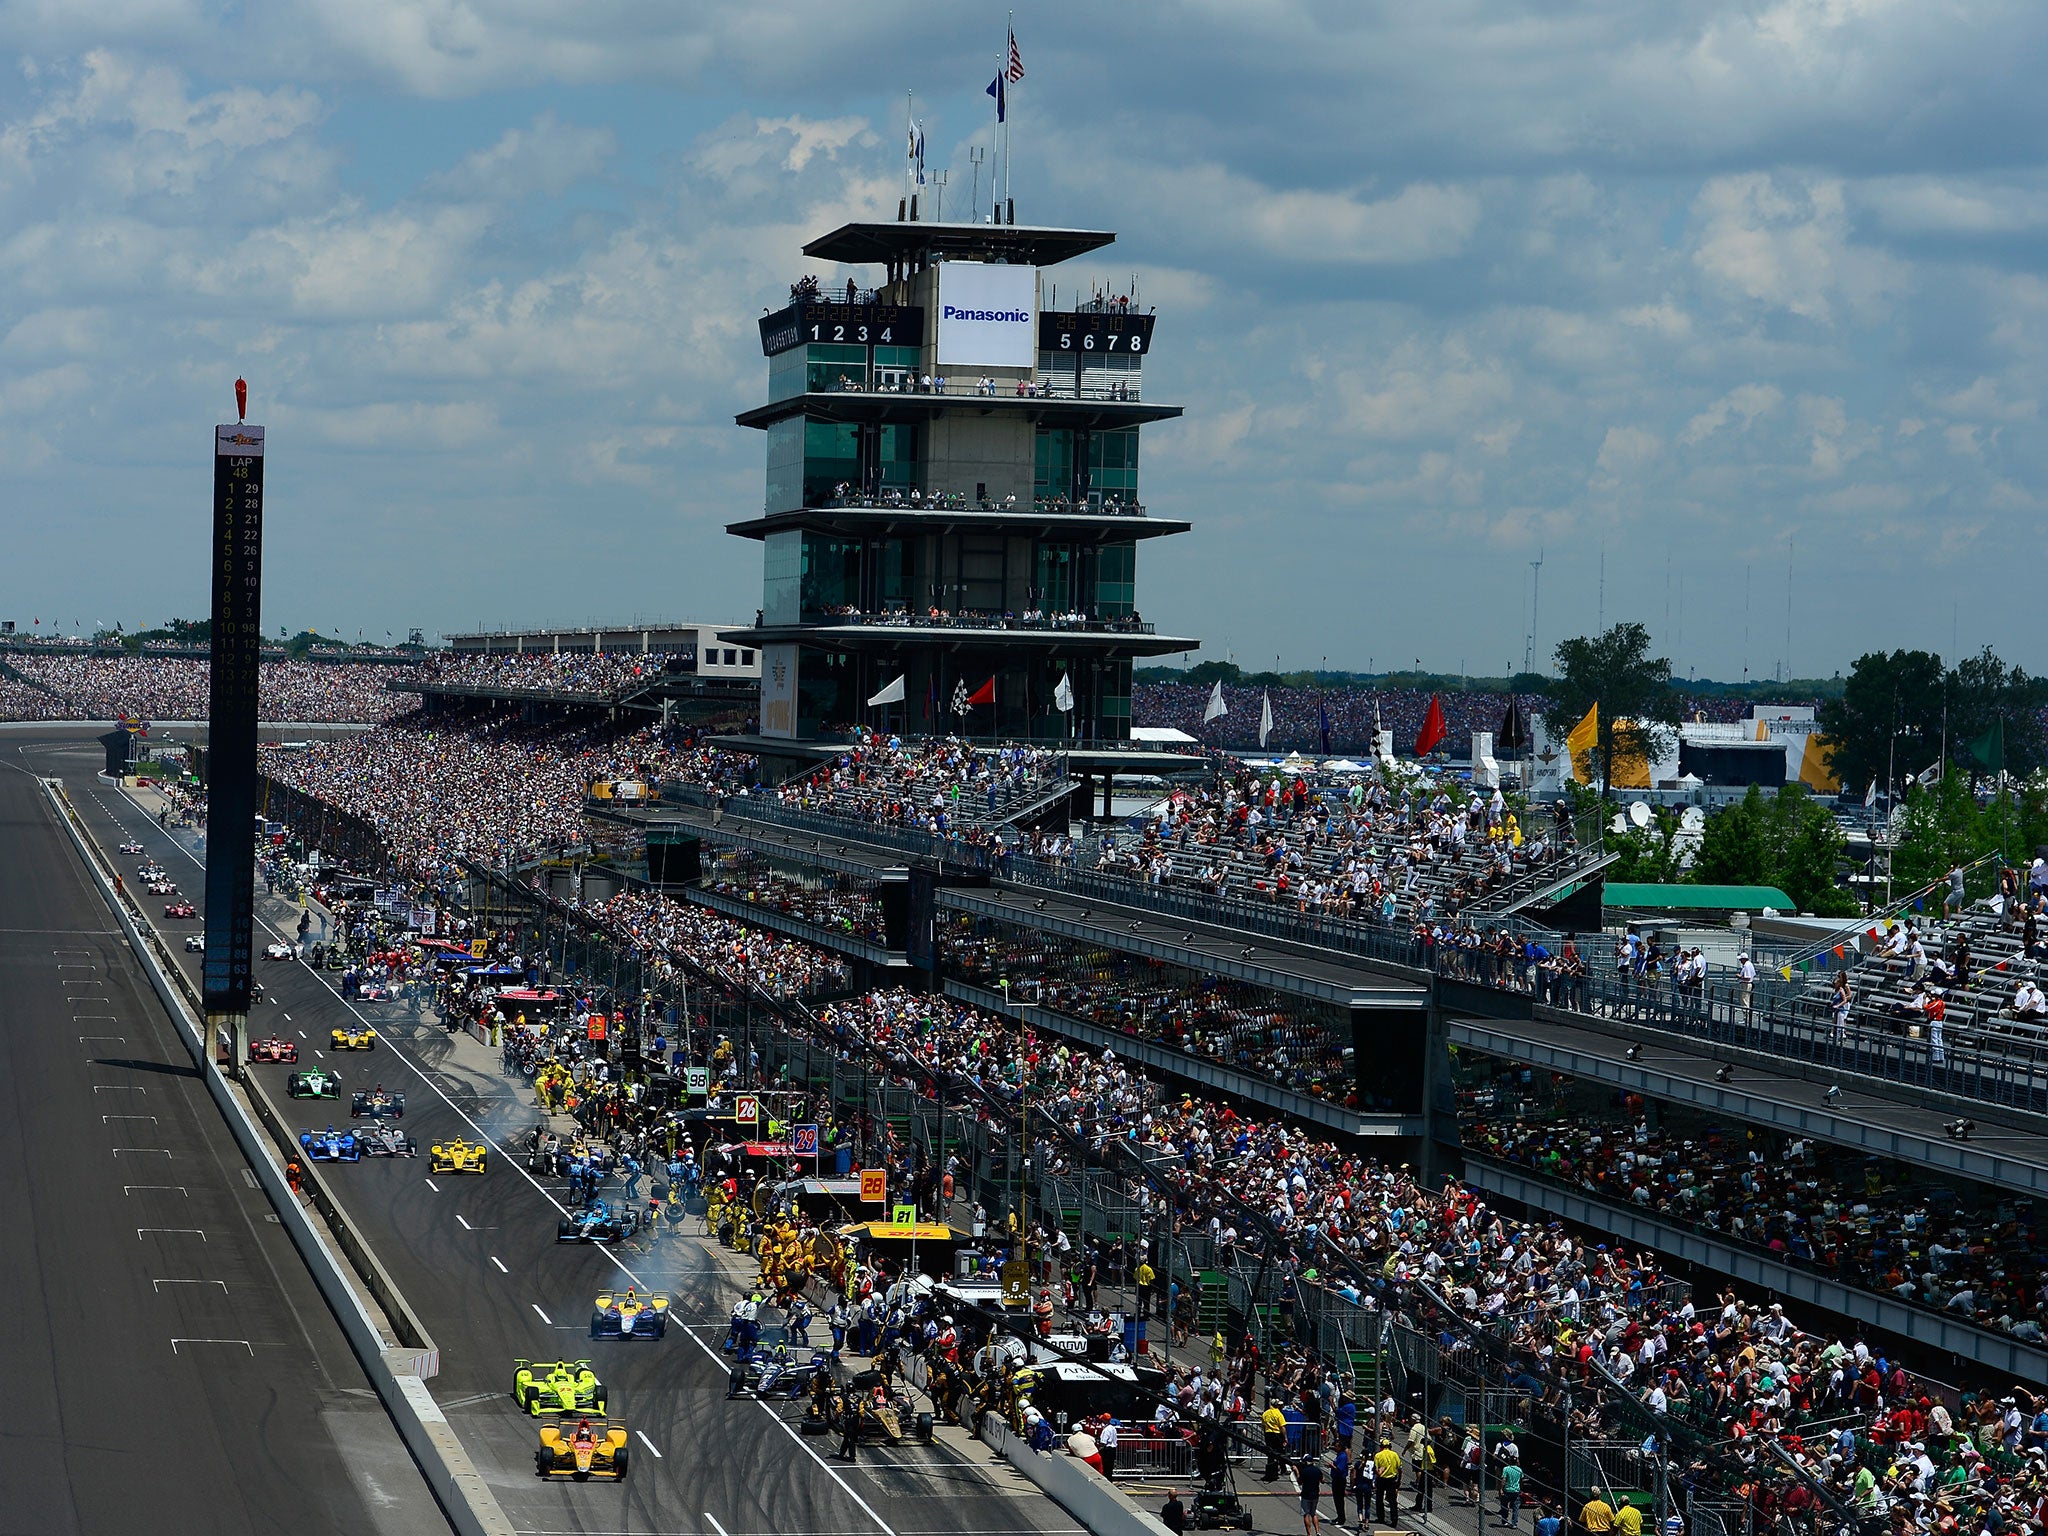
{"x": 629, "y": 1315}
{"x": 332, "y": 1146}
{"x": 598, "y": 1224}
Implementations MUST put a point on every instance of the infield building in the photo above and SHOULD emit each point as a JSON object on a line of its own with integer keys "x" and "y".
{"x": 953, "y": 515}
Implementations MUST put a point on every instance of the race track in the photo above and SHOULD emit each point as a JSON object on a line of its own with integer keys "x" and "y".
{"x": 169, "y": 1366}
{"x": 477, "y": 1259}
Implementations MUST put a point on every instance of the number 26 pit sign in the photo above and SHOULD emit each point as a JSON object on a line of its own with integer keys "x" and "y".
{"x": 746, "y": 1109}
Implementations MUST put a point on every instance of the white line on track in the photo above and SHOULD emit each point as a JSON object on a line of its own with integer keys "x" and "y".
{"x": 551, "y": 1323}
{"x": 802, "y": 1444}
{"x": 465, "y": 1225}
{"x": 722, "y": 1531}
{"x": 501, "y": 1265}
{"x": 642, "y": 1436}
{"x": 518, "y": 1165}
{"x": 433, "y": 1186}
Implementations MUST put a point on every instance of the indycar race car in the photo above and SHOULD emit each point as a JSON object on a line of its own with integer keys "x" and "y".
{"x": 131, "y": 846}
{"x": 581, "y": 1450}
{"x": 179, "y": 909}
{"x": 316, "y": 1083}
{"x": 891, "y": 1420}
{"x": 355, "y": 1038}
{"x": 598, "y": 1224}
{"x": 274, "y": 1049}
{"x": 780, "y": 1372}
{"x": 557, "y": 1386}
{"x": 278, "y": 951}
{"x": 332, "y": 1146}
{"x": 163, "y": 888}
{"x": 629, "y": 1315}
{"x": 457, "y": 1156}
{"x": 195, "y": 943}
{"x": 377, "y": 1105}
{"x": 386, "y": 1141}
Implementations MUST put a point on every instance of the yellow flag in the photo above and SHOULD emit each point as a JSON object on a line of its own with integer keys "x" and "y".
{"x": 1785, "y": 971}
{"x": 1584, "y": 738}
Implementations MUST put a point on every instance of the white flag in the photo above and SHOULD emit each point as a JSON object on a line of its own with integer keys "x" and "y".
{"x": 1870, "y": 795}
{"x": 892, "y": 694}
{"x": 1063, "y": 695}
{"x": 1216, "y": 709}
{"x": 1265, "y": 717}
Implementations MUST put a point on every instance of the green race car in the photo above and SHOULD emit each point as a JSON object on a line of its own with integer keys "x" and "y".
{"x": 314, "y": 1083}
{"x": 557, "y": 1386}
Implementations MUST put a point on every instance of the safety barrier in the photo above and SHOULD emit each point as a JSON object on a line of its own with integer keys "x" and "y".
{"x": 1070, "y": 1483}
{"x": 392, "y": 1365}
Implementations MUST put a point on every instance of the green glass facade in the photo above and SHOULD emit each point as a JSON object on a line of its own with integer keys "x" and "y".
{"x": 1083, "y": 466}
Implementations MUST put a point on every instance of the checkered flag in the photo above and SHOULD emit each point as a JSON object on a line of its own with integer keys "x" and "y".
{"x": 960, "y": 697}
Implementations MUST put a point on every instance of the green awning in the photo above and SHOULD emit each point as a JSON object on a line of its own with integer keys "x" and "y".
{"x": 1698, "y": 898}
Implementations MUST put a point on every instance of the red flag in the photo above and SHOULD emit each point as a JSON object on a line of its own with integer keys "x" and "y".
{"x": 1839, "y": 954}
{"x": 985, "y": 694}
{"x": 1433, "y": 729}
{"x": 241, "y": 399}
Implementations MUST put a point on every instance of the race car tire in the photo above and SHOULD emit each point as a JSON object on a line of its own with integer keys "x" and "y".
{"x": 619, "y": 1462}
{"x": 924, "y": 1428}
{"x": 540, "y": 1463}
{"x": 599, "y": 1402}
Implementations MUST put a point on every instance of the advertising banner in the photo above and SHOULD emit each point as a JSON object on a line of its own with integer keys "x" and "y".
{"x": 988, "y": 316}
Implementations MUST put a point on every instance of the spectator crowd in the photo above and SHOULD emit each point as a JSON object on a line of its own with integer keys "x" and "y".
{"x": 61, "y": 685}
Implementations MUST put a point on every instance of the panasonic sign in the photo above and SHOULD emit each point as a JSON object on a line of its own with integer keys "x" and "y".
{"x": 988, "y": 316}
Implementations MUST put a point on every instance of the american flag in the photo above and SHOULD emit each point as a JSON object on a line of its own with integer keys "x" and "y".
{"x": 1015, "y": 71}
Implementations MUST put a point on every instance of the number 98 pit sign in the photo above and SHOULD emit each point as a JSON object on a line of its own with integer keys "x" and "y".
{"x": 988, "y": 316}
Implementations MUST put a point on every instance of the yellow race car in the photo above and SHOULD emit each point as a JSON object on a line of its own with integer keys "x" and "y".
{"x": 581, "y": 1449}
{"x": 457, "y": 1156}
{"x": 354, "y": 1038}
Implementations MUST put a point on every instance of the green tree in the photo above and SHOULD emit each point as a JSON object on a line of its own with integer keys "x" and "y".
{"x": 1941, "y": 827}
{"x": 1983, "y": 692}
{"x": 1884, "y": 697}
{"x": 1638, "y": 706}
{"x": 1735, "y": 845}
{"x": 1648, "y": 854}
{"x": 1788, "y": 840}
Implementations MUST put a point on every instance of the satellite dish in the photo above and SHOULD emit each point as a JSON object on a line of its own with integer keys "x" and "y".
{"x": 1693, "y": 819}
{"x": 1620, "y": 823}
{"x": 1639, "y": 813}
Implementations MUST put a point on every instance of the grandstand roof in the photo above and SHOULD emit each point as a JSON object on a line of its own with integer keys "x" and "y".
{"x": 1698, "y": 898}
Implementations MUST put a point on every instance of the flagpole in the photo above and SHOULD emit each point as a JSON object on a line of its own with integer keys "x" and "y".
{"x": 1009, "y": 42}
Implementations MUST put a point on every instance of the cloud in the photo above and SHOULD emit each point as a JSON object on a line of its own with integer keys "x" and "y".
{"x": 1626, "y": 450}
{"x": 1784, "y": 242}
{"x": 1747, "y": 402}
{"x": 544, "y": 159}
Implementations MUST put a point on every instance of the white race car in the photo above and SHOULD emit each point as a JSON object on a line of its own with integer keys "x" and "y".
{"x": 195, "y": 943}
{"x": 131, "y": 847}
{"x": 278, "y": 951}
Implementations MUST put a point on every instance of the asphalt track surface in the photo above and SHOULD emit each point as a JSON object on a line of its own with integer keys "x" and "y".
{"x": 478, "y": 1261}
{"x": 168, "y": 1365}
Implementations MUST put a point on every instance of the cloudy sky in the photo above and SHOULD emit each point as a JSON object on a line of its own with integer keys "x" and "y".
{"x": 1746, "y": 296}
